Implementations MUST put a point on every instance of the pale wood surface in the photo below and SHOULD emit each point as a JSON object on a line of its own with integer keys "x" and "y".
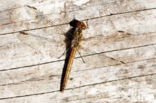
{"x": 30, "y": 70}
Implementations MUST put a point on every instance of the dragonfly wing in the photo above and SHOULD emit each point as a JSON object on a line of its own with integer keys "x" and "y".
{"x": 100, "y": 40}
{"x": 41, "y": 44}
{"x": 93, "y": 45}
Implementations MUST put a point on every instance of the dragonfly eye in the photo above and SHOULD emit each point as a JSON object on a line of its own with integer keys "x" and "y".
{"x": 81, "y": 25}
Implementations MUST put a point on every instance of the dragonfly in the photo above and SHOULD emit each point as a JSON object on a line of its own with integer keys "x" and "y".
{"x": 74, "y": 37}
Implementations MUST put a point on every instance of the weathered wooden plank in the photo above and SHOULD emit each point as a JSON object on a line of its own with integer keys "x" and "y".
{"x": 22, "y": 50}
{"x": 20, "y": 4}
{"x": 22, "y": 54}
{"x": 140, "y": 89}
{"x": 45, "y": 78}
{"x": 49, "y": 13}
{"x": 5, "y": 5}
{"x": 120, "y": 66}
{"x": 47, "y": 6}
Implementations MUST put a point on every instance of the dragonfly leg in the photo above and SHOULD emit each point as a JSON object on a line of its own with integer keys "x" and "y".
{"x": 81, "y": 56}
{"x": 65, "y": 51}
{"x": 80, "y": 53}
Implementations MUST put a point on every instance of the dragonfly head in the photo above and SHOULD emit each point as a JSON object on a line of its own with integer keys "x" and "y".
{"x": 78, "y": 24}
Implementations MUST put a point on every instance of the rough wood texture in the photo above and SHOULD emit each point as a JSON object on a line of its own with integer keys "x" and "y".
{"x": 119, "y": 50}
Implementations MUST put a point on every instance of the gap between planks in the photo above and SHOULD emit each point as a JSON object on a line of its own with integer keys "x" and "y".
{"x": 127, "y": 78}
{"x": 77, "y": 57}
{"x": 81, "y": 20}
{"x": 85, "y": 70}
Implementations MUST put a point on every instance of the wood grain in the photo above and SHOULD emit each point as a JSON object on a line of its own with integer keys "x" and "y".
{"x": 136, "y": 89}
{"x": 46, "y": 45}
{"x": 44, "y": 78}
{"x": 51, "y": 13}
{"x": 119, "y": 49}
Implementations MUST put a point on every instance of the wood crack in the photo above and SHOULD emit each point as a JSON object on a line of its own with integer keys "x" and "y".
{"x": 127, "y": 78}
{"x": 81, "y": 20}
{"x": 77, "y": 57}
{"x": 40, "y": 79}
